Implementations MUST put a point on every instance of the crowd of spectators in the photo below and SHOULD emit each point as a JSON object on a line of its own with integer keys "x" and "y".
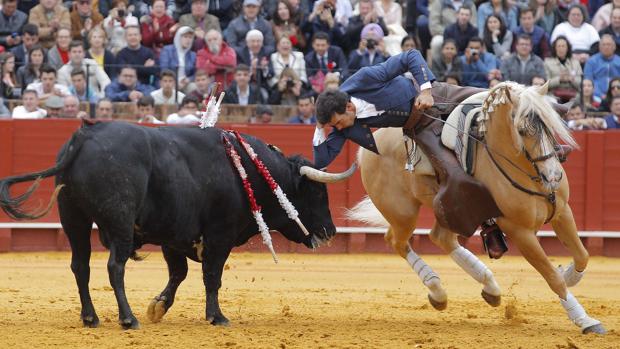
{"x": 55, "y": 54}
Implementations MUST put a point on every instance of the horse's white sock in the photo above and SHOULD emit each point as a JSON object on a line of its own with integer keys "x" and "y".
{"x": 476, "y": 269}
{"x": 571, "y": 275}
{"x": 425, "y": 272}
{"x": 576, "y": 313}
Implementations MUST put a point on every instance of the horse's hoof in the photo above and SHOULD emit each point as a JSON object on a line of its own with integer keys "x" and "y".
{"x": 219, "y": 320}
{"x": 437, "y": 305}
{"x": 130, "y": 323}
{"x": 91, "y": 321}
{"x": 598, "y": 329}
{"x": 157, "y": 310}
{"x": 494, "y": 301}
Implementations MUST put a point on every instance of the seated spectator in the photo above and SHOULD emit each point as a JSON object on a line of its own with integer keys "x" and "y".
{"x": 32, "y": 71}
{"x": 49, "y": 16}
{"x": 136, "y": 7}
{"x": 242, "y": 92}
{"x": 48, "y": 87}
{"x": 200, "y": 21}
{"x": 256, "y": 57}
{"x": 127, "y": 88}
{"x": 224, "y": 10}
{"x": 579, "y": 32}
{"x": 98, "y": 52}
{"x": 97, "y": 78}
{"x": 217, "y": 58}
{"x": 104, "y": 109}
{"x": 187, "y": 114}
{"x": 204, "y": 85}
{"x": 603, "y": 66}
{"x": 322, "y": 19}
{"x": 448, "y": 63}
{"x": 602, "y": 17}
{"x": 9, "y": 86}
{"x": 286, "y": 23}
{"x": 288, "y": 88}
{"x": 340, "y": 10}
{"x": 547, "y": 15}
{"x": 78, "y": 87}
{"x": 612, "y": 91}
{"x": 262, "y": 115}
{"x": 564, "y": 7}
{"x": 497, "y": 39}
{"x": 180, "y": 58}
{"x": 392, "y": 14}
{"x": 30, "y": 37}
{"x": 613, "y": 28}
{"x": 83, "y": 19}
{"x": 479, "y": 66}
{"x": 367, "y": 15}
{"x": 29, "y": 108}
{"x": 118, "y": 20}
{"x": 540, "y": 39}
{"x": 167, "y": 94}
{"x": 54, "y": 105}
{"x": 371, "y": 50}
{"x": 305, "y": 108}
{"x": 410, "y": 42}
{"x": 612, "y": 120}
{"x": 146, "y": 111}
{"x": 284, "y": 58}
{"x": 58, "y": 55}
{"x": 138, "y": 56}
{"x": 443, "y": 14}
{"x": 249, "y": 19}
{"x": 12, "y": 21}
{"x": 452, "y": 79}
{"x": 577, "y": 121}
{"x": 461, "y": 30}
{"x": 322, "y": 59}
{"x": 500, "y": 8}
{"x": 522, "y": 65}
{"x": 590, "y": 102}
{"x": 564, "y": 72}
{"x": 157, "y": 28}
{"x": 71, "y": 109}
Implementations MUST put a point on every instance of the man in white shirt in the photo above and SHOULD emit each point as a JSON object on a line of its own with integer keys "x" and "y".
{"x": 30, "y": 108}
{"x": 187, "y": 114}
{"x": 48, "y": 87}
{"x": 96, "y": 76}
{"x": 167, "y": 94}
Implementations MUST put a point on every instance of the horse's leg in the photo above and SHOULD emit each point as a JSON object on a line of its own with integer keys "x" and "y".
{"x": 530, "y": 248}
{"x": 566, "y": 231}
{"x": 473, "y": 266}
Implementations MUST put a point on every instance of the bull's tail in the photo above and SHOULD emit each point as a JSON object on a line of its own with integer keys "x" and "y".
{"x": 13, "y": 206}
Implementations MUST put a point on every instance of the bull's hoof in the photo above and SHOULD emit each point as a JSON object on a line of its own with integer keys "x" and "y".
{"x": 598, "y": 329}
{"x": 494, "y": 301}
{"x": 437, "y": 305}
{"x": 157, "y": 309}
{"x": 218, "y": 320}
{"x": 130, "y": 323}
{"x": 91, "y": 321}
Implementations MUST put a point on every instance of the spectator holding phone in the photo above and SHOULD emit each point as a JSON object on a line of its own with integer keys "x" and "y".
{"x": 116, "y": 22}
{"x": 11, "y": 22}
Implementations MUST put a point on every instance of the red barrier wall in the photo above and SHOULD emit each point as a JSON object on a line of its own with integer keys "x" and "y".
{"x": 32, "y": 145}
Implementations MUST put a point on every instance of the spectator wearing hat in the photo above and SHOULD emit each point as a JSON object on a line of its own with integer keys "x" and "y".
{"x": 53, "y": 106}
{"x": 48, "y": 87}
{"x": 29, "y": 108}
{"x": 83, "y": 19}
{"x": 370, "y": 51}
{"x": 12, "y": 21}
{"x": 305, "y": 110}
{"x": 461, "y": 30}
{"x": 200, "y": 21}
{"x": 187, "y": 113}
{"x": 248, "y": 20}
{"x": 127, "y": 88}
{"x": 242, "y": 92}
{"x": 262, "y": 115}
{"x": 180, "y": 58}
{"x": 217, "y": 58}
{"x": 49, "y": 16}
{"x": 367, "y": 15}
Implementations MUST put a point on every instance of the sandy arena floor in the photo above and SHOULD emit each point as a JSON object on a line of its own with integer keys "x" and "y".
{"x": 306, "y": 301}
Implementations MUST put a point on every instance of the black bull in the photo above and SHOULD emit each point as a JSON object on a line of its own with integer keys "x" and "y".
{"x": 173, "y": 187}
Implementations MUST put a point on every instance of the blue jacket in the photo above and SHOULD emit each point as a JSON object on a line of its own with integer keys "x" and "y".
{"x": 475, "y": 74}
{"x": 384, "y": 86}
{"x": 600, "y": 70}
{"x": 118, "y": 92}
{"x": 168, "y": 59}
{"x": 297, "y": 119}
{"x": 611, "y": 122}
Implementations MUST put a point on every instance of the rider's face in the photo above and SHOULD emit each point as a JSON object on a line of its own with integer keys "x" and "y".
{"x": 342, "y": 121}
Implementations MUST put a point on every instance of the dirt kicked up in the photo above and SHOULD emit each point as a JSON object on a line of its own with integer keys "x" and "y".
{"x": 306, "y": 301}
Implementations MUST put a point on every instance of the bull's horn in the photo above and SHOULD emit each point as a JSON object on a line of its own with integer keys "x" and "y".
{"x": 325, "y": 177}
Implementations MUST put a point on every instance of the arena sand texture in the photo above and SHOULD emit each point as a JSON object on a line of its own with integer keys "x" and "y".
{"x": 306, "y": 301}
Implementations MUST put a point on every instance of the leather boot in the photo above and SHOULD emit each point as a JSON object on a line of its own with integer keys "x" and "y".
{"x": 493, "y": 240}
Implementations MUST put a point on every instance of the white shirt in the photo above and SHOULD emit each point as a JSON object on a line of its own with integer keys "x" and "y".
{"x": 188, "y": 119}
{"x": 20, "y": 112}
{"x": 38, "y": 86}
{"x": 158, "y": 96}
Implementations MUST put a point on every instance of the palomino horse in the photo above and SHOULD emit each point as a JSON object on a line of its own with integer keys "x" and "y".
{"x": 516, "y": 160}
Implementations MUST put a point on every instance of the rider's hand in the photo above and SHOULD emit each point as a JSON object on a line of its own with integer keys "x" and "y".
{"x": 424, "y": 100}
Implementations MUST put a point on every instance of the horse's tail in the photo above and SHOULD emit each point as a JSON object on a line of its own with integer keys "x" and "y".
{"x": 13, "y": 206}
{"x": 366, "y": 212}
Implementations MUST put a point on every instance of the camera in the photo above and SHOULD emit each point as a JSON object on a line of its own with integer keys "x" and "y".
{"x": 474, "y": 52}
{"x": 370, "y": 44}
{"x": 121, "y": 13}
{"x": 14, "y": 35}
{"x": 290, "y": 84}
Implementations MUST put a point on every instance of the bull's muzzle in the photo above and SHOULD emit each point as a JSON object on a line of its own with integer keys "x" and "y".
{"x": 326, "y": 177}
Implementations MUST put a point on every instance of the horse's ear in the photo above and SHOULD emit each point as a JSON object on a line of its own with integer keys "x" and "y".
{"x": 542, "y": 90}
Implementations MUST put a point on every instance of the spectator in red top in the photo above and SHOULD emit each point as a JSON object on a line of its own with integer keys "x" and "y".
{"x": 58, "y": 55}
{"x": 157, "y": 28}
{"x": 217, "y": 58}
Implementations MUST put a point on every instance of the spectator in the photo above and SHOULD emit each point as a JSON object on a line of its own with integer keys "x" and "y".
{"x": 49, "y": 16}
{"x": 167, "y": 94}
{"x": 12, "y": 21}
{"x": 500, "y": 8}
{"x": 48, "y": 87}
{"x": 322, "y": 19}
{"x": 71, "y": 108}
{"x": 442, "y": 14}
{"x": 613, "y": 28}
{"x": 611, "y": 120}
{"x": 58, "y": 55}
{"x": 104, "y": 109}
{"x": 224, "y": 10}
{"x": 157, "y": 28}
{"x": 146, "y": 111}
{"x": 419, "y": 25}
{"x": 242, "y": 92}
{"x": 127, "y": 88}
{"x": 32, "y": 71}
{"x": 371, "y": 50}
{"x": 449, "y": 63}
{"x": 26, "y": 5}
{"x": 564, "y": 72}
{"x": 305, "y": 108}
{"x": 392, "y": 14}
{"x": 138, "y": 56}
{"x": 217, "y": 58}
{"x": 580, "y": 34}
{"x": 29, "y": 108}
{"x": 452, "y": 79}
{"x": 136, "y": 7}
{"x": 187, "y": 113}
{"x": 180, "y": 58}
{"x": 116, "y": 23}
{"x": 256, "y": 56}
{"x": 286, "y": 23}
{"x": 540, "y": 39}
{"x": 564, "y": 6}
{"x": 547, "y": 15}
{"x": 590, "y": 102}
{"x": 204, "y": 85}
{"x": 239, "y": 27}
{"x": 98, "y": 52}
{"x": 497, "y": 38}
{"x": 367, "y": 15}
{"x": 287, "y": 89}
{"x": 602, "y": 18}
{"x": 410, "y": 42}
{"x": 54, "y": 105}
{"x": 577, "y": 121}
{"x": 96, "y": 76}
{"x": 612, "y": 91}
{"x": 262, "y": 115}
{"x": 9, "y": 86}
{"x": 479, "y": 66}
{"x": 78, "y": 87}
{"x": 30, "y": 37}
{"x": 603, "y": 66}
{"x": 83, "y": 19}
{"x": 332, "y": 81}
{"x": 200, "y": 21}
{"x": 284, "y": 58}
{"x": 323, "y": 59}
{"x": 461, "y": 30}
{"x": 522, "y": 65}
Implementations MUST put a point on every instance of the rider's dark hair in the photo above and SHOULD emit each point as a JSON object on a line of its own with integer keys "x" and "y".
{"x": 330, "y": 102}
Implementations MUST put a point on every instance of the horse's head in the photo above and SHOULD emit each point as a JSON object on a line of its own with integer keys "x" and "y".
{"x": 534, "y": 127}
